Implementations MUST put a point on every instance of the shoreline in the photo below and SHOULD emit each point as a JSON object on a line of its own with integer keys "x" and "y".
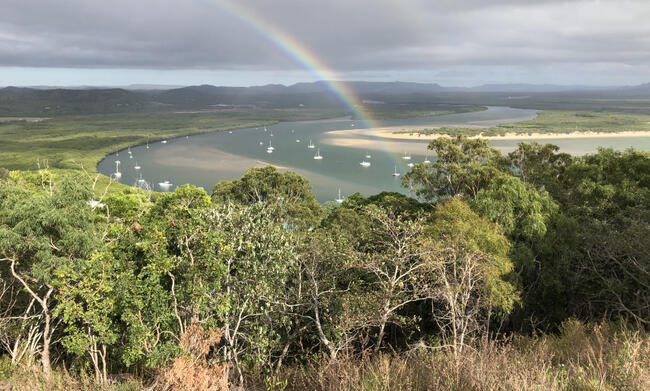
{"x": 389, "y": 133}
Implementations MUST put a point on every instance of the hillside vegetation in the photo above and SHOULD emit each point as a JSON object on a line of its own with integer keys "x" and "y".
{"x": 526, "y": 271}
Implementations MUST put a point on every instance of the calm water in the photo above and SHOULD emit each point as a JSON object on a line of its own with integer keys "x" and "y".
{"x": 206, "y": 159}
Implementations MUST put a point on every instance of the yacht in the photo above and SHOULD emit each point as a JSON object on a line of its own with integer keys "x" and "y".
{"x": 165, "y": 185}
{"x": 410, "y": 164}
{"x": 339, "y": 199}
{"x": 164, "y": 142}
{"x": 297, "y": 140}
{"x": 117, "y": 173}
{"x": 318, "y": 156}
{"x": 395, "y": 173}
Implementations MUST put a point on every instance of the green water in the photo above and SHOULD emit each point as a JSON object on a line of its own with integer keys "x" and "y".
{"x": 206, "y": 159}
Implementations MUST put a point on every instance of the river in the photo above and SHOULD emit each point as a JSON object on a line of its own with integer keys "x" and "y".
{"x": 208, "y": 158}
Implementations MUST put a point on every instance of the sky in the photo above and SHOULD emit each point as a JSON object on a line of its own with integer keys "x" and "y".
{"x": 243, "y": 42}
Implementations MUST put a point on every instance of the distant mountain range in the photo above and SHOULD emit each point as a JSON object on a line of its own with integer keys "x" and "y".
{"x": 49, "y": 101}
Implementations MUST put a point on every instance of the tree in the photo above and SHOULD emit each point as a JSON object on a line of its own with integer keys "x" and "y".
{"x": 463, "y": 167}
{"x": 87, "y": 305}
{"x": 516, "y": 206}
{"x": 42, "y": 230}
{"x": 540, "y": 165}
{"x": 289, "y": 192}
{"x": 398, "y": 265}
{"x": 468, "y": 256}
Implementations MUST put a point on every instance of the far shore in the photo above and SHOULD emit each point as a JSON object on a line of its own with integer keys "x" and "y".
{"x": 390, "y": 132}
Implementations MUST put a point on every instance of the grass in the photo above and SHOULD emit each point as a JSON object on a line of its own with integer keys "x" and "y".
{"x": 581, "y": 357}
{"x": 556, "y": 122}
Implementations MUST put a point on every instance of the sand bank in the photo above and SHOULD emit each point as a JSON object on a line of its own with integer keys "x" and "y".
{"x": 390, "y": 133}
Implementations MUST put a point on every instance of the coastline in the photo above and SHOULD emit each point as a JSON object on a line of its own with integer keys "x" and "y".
{"x": 389, "y": 133}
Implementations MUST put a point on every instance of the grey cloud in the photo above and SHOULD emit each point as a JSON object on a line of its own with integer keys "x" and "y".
{"x": 351, "y": 36}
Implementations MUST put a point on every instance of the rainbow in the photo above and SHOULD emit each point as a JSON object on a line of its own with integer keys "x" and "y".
{"x": 307, "y": 59}
{"x": 298, "y": 53}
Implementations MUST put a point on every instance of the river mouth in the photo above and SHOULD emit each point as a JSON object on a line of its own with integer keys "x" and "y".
{"x": 205, "y": 159}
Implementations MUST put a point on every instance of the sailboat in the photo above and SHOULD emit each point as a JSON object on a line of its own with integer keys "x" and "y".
{"x": 368, "y": 156}
{"x": 406, "y": 157}
{"x": 339, "y": 199}
{"x": 318, "y": 156}
{"x": 137, "y": 166}
{"x": 410, "y": 164}
{"x": 165, "y": 185}
{"x": 426, "y": 159}
{"x": 311, "y": 145}
{"x": 297, "y": 140}
{"x": 270, "y": 149}
{"x": 147, "y": 143}
{"x": 395, "y": 173}
{"x": 164, "y": 142}
{"x": 365, "y": 163}
{"x": 117, "y": 173}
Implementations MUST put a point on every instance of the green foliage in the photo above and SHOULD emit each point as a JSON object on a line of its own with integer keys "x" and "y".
{"x": 289, "y": 192}
{"x": 458, "y": 227}
{"x": 463, "y": 167}
{"x": 521, "y": 210}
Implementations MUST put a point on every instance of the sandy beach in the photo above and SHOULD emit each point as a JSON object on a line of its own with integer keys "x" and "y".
{"x": 390, "y": 133}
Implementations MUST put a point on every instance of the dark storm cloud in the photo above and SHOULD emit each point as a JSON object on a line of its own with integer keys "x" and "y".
{"x": 351, "y": 36}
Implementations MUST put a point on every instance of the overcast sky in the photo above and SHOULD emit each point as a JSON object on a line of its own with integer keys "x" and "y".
{"x": 450, "y": 42}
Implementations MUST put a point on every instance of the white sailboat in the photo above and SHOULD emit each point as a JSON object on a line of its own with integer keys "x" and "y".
{"x": 311, "y": 145}
{"x": 395, "y": 173}
{"x": 406, "y": 157}
{"x": 165, "y": 185}
{"x": 137, "y": 166}
{"x": 426, "y": 159}
{"x": 164, "y": 142}
{"x": 270, "y": 148}
{"x": 368, "y": 156}
{"x": 365, "y": 163}
{"x": 339, "y": 199}
{"x": 410, "y": 164}
{"x": 318, "y": 156}
{"x": 297, "y": 140}
{"x": 117, "y": 173}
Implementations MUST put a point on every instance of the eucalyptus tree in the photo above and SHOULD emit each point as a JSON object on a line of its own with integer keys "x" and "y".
{"x": 468, "y": 257}
{"x": 463, "y": 166}
{"x": 289, "y": 192}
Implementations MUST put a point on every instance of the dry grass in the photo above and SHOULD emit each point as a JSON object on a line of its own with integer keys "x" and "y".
{"x": 581, "y": 358}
